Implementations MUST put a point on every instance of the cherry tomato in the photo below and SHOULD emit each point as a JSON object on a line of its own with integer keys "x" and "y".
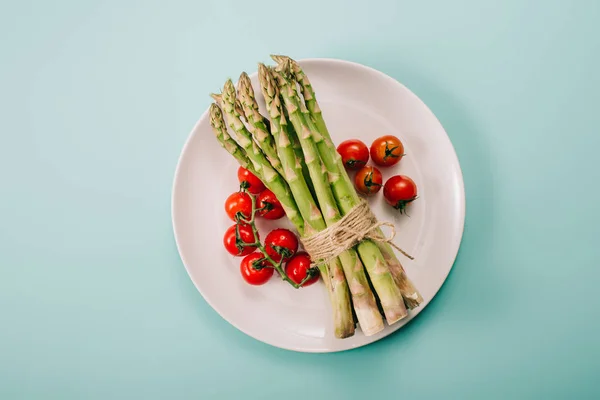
{"x": 298, "y": 266}
{"x": 239, "y": 202}
{"x": 399, "y": 191}
{"x": 387, "y": 150}
{"x": 355, "y": 153}
{"x": 250, "y": 181}
{"x": 281, "y": 242}
{"x": 273, "y": 209}
{"x": 246, "y": 235}
{"x": 368, "y": 180}
{"x": 252, "y": 275}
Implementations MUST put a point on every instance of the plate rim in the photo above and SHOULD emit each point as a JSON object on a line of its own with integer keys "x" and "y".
{"x": 456, "y": 245}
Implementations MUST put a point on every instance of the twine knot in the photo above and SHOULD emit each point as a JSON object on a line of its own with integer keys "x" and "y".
{"x": 357, "y": 225}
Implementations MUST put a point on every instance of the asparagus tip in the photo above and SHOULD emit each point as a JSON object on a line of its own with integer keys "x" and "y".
{"x": 244, "y": 82}
{"x": 263, "y": 72}
{"x": 262, "y": 68}
{"x": 285, "y": 67}
{"x": 228, "y": 94}
{"x": 228, "y": 85}
{"x": 279, "y": 58}
{"x": 216, "y": 117}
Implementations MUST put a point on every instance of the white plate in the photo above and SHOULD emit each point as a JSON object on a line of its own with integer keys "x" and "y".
{"x": 357, "y": 102}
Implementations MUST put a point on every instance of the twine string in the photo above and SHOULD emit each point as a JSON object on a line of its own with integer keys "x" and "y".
{"x": 357, "y": 225}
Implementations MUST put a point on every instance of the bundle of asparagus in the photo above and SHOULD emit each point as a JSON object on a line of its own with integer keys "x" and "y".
{"x": 291, "y": 151}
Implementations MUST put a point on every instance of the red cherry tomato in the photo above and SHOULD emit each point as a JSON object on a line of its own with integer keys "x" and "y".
{"x": 298, "y": 266}
{"x": 355, "y": 153}
{"x": 399, "y": 191}
{"x": 252, "y": 275}
{"x": 239, "y": 202}
{"x": 368, "y": 180}
{"x": 281, "y": 242}
{"x": 246, "y": 235}
{"x": 274, "y": 210}
{"x": 252, "y": 183}
{"x": 387, "y": 150}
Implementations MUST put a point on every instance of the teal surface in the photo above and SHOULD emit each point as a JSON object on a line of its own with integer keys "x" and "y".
{"x": 97, "y": 99}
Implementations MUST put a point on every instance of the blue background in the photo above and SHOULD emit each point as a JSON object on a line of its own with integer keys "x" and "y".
{"x": 97, "y": 99}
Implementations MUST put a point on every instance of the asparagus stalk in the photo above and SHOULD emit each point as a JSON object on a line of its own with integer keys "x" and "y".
{"x": 363, "y": 299}
{"x": 256, "y": 123}
{"x": 218, "y": 125}
{"x": 289, "y": 129}
{"x": 335, "y": 282}
{"x": 411, "y": 295}
{"x": 261, "y": 124}
{"x": 270, "y": 176}
{"x": 291, "y": 167}
{"x": 375, "y": 263}
{"x": 332, "y": 275}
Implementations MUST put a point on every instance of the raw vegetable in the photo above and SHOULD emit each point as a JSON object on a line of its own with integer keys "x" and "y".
{"x": 298, "y": 267}
{"x": 268, "y": 205}
{"x": 250, "y": 158}
{"x": 238, "y": 239}
{"x": 368, "y": 181}
{"x": 387, "y": 150}
{"x": 294, "y": 156}
{"x": 281, "y": 244}
{"x": 262, "y": 126}
{"x": 355, "y": 153}
{"x": 255, "y": 270}
{"x": 399, "y": 191}
{"x": 263, "y": 168}
{"x": 312, "y": 138}
{"x": 238, "y": 205}
{"x": 345, "y": 194}
{"x": 247, "y": 108}
{"x": 363, "y": 300}
{"x": 250, "y": 181}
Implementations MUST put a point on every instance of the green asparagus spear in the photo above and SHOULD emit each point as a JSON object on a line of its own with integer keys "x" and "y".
{"x": 336, "y": 287}
{"x": 411, "y": 296}
{"x": 389, "y": 294}
{"x": 364, "y": 302}
{"x": 256, "y": 122}
{"x": 308, "y": 210}
{"x": 270, "y": 176}
{"x": 261, "y": 124}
